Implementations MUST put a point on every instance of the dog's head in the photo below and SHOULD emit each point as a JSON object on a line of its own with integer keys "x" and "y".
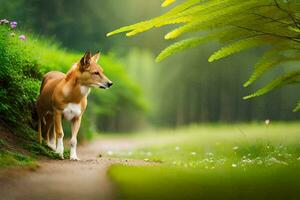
{"x": 90, "y": 73}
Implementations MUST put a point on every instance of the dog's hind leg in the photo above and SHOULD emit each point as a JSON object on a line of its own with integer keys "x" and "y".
{"x": 40, "y": 130}
{"x": 59, "y": 132}
{"x": 51, "y": 137}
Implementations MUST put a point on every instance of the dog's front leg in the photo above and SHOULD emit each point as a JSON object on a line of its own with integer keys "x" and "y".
{"x": 75, "y": 127}
{"x": 59, "y": 132}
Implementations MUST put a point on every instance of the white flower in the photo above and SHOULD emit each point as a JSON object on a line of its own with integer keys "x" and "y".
{"x": 267, "y": 121}
{"x": 209, "y": 154}
{"x": 193, "y": 153}
{"x": 234, "y": 165}
{"x": 110, "y": 152}
{"x": 235, "y": 148}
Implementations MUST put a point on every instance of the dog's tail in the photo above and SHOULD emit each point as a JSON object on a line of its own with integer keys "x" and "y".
{"x": 40, "y": 130}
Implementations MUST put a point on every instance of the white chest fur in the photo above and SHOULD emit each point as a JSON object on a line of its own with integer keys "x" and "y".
{"x": 72, "y": 110}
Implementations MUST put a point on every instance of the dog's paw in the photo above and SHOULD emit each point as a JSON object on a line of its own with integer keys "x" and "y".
{"x": 74, "y": 158}
{"x": 52, "y": 146}
{"x": 60, "y": 153}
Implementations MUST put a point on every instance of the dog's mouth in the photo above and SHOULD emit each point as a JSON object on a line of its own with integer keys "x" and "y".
{"x": 106, "y": 85}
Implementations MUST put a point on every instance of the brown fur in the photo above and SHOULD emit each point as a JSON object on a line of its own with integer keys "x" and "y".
{"x": 59, "y": 89}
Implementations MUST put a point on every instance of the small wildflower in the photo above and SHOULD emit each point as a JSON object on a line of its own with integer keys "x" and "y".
{"x": 177, "y": 148}
{"x": 235, "y": 148}
{"x": 4, "y": 21}
{"x": 193, "y": 153}
{"x": 22, "y": 37}
{"x": 234, "y": 165}
{"x": 267, "y": 121}
{"x": 13, "y": 24}
{"x": 209, "y": 154}
{"x": 110, "y": 152}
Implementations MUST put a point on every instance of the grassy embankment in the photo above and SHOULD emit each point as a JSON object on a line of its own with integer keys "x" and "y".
{"x": 22, "y": 64}
{"x": 254, "y": 161}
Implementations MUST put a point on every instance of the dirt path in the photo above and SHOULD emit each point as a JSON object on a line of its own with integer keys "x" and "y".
{"x": 64, "y": 179}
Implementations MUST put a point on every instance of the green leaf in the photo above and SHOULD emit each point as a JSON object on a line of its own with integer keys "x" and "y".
{"x": 181, "y": 45}
{"x": 290, "y": 78}
{"x": 236, "y": 47}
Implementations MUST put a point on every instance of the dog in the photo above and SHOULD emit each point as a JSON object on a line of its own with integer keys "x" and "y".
{"x": 65, "y": 96}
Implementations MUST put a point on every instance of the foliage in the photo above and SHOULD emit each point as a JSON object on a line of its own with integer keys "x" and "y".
{"x": 239, "y": 25}
{"x": 9, "y": 158}
{"x": 19, "y": 77}
{"x": 22, "y": 63}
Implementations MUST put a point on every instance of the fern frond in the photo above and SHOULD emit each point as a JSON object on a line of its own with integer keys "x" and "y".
{"x": 297, "y": 108}
{"x": 146, "y": 25}
{"x": 208, "y": 18}
{"x": 167, "y": 3}
{"x": 260, "y": 68}
{"x": 291, "y": 78}
{"x": 239, "y": 24}
{"x": 182, "y": 45}
{"x": 236, "y": 47}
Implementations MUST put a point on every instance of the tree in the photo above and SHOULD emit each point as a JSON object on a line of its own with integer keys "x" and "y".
{"x": 239, "y": 25}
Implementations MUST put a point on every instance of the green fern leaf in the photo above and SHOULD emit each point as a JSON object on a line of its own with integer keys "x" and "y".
{"x": 146, "y": 25}
{"x": 182, "y": 45}
{"x": 236, "y": 47}
{"x": 291, "y": 78}
{"x": 167, "y": 3}
{"x": 297, "y": 108}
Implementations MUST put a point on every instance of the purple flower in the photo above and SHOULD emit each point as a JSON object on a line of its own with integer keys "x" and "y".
{"x": 13, "y": 24}
{"x": 22, "y": 37}
{"x": 4, "y": 21}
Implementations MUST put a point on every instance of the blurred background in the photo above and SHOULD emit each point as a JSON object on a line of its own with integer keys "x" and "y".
{"x": 182, "y": 90}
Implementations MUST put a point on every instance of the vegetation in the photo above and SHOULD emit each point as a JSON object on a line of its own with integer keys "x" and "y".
{"x": 239, "y": 25}
{"x": 23, "y": 60}
{"x": 240, "y": 161}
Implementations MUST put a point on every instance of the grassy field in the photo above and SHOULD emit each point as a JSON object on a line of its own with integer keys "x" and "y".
{"x": 242, "y": 161}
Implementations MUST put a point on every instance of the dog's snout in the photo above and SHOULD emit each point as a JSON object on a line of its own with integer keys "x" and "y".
{"x": 109, "y": 84}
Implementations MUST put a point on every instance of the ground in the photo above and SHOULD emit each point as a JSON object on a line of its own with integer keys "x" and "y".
{"x": 214, "y": 161}
{"x": 64, "y": 179}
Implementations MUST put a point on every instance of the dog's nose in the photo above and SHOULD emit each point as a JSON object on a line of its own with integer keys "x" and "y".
{"x": 109, "y": 84}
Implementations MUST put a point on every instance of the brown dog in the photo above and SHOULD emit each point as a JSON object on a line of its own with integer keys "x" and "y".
{"x": 65, "y": 96}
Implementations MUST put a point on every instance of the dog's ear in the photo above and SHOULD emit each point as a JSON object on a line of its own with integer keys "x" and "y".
{"x": 96, "y": 57}
{"x": 85, "y": 61}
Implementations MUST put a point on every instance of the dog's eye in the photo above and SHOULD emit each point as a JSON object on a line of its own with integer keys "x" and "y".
{"x": 96, "y": 73}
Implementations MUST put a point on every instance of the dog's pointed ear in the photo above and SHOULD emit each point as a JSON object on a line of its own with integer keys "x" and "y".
{"x": 96, "y": 57}
{"x": 85, "y": 61}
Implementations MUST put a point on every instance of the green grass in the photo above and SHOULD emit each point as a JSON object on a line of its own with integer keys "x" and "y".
{"x": 11, "y": 158}
{"x": 241, "y": 161}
